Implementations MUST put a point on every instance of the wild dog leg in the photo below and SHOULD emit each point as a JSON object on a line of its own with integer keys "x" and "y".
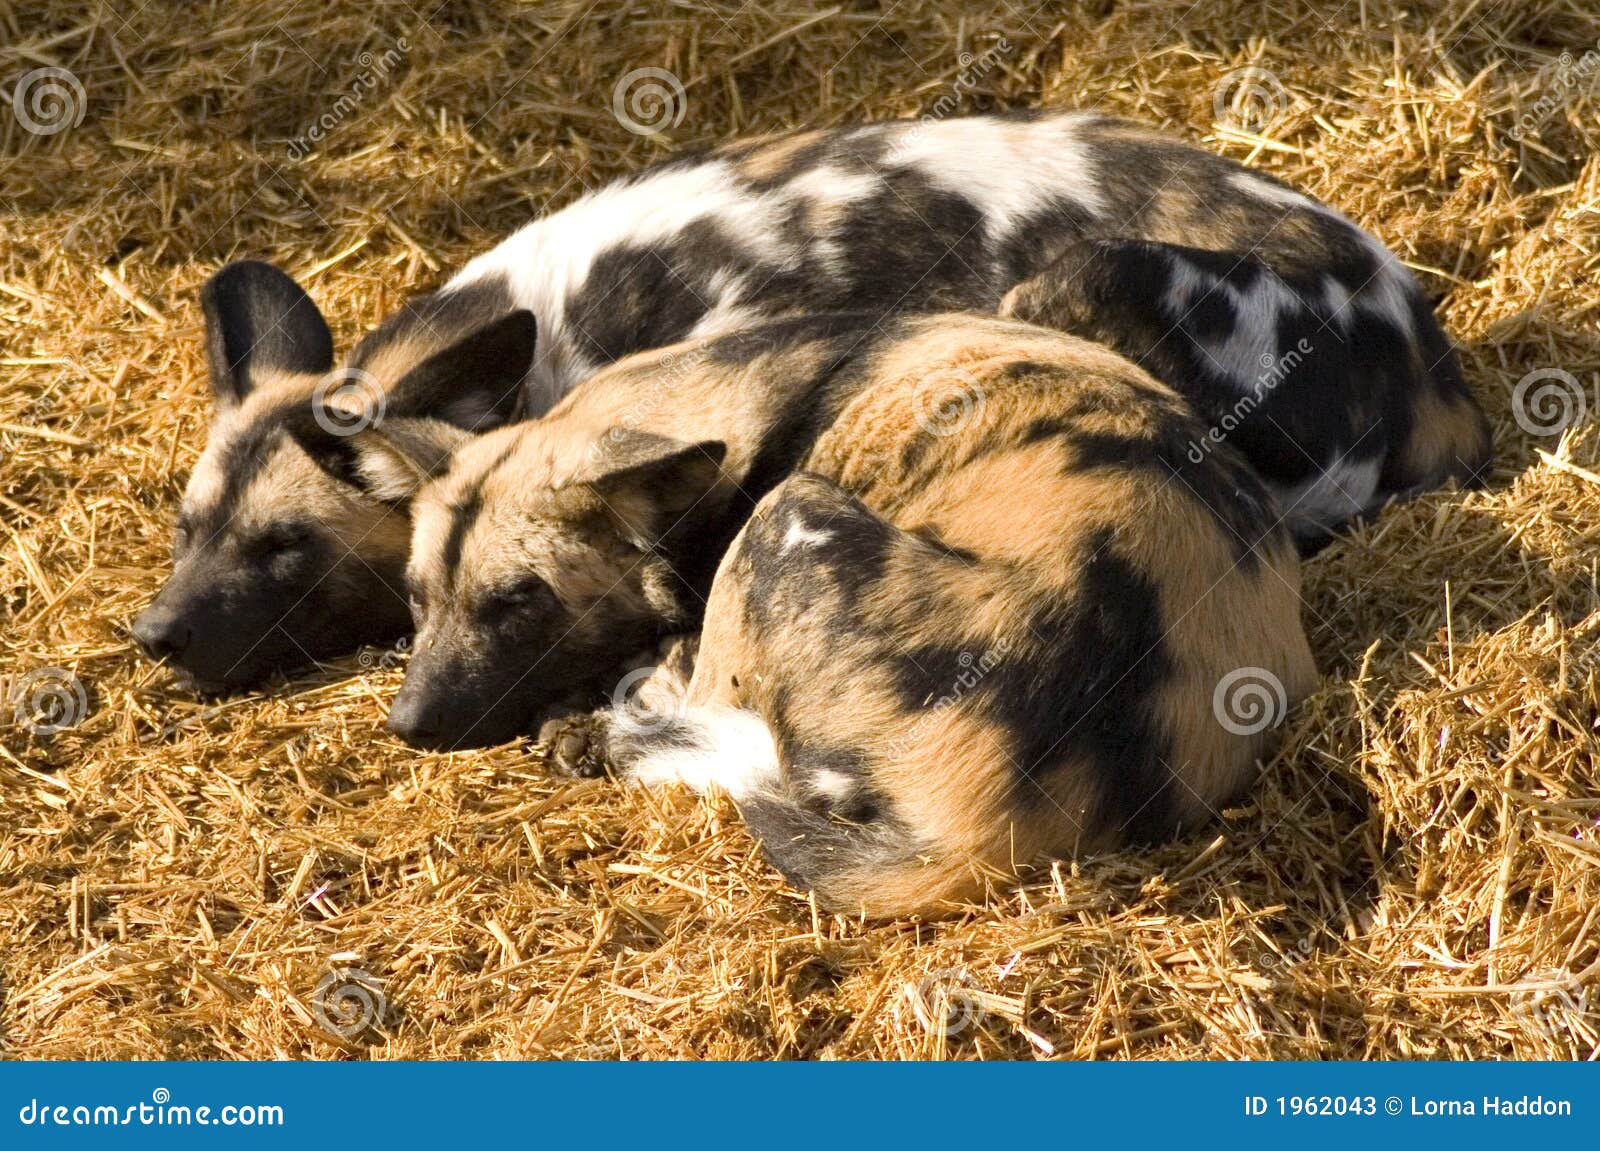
{"x": 654, "y": 688}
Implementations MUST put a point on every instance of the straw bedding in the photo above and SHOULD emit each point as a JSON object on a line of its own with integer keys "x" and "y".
{"x": 1418, "y": 874}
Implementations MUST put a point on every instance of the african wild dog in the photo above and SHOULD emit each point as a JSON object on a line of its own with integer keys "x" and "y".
{"x": 1214, "y": 274}
{"x": 545, "y": 553}
{"x": 277, "y": 563}
{"x": 935, "y": 655}
{"x": 952, "y": 508}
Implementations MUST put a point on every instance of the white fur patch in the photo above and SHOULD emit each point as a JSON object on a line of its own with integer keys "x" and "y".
{"x": 1250, "y": 348}
{"x": 1266, "y": 190}
{"x": 833, "y": 785}
{"x": 734, "y": 751}
{"x": 1334, "y": 495}
{"x": 799, "y": 535}
{"x": 1336, "y": 300}
{"x": 1389, "y": 293}
{"x": 1008, "y": 170}
{"x": 728, "y": 311}
{"x": 830, "y": 191}
{"x": 550, "y": 259}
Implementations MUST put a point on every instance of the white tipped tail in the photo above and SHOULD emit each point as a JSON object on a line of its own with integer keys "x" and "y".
{"x": 701, "y": 747}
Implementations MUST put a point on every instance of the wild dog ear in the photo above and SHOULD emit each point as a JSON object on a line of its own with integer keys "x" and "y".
{"x": 475, "y": 383}
{"x": 387, "y": 461}
{"x": 258, "y": 319}
{"x": 649, "y": 481}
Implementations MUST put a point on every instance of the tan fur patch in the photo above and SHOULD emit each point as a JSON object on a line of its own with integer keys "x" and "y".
{"x": 1019, "y": 507}
{"x": 1448, "y": 439}
{"x": 769, "y": 157}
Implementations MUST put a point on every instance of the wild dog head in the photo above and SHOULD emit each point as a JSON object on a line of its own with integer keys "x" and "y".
{"x": 537, "y": 562}
{"x": 277, "y": 561}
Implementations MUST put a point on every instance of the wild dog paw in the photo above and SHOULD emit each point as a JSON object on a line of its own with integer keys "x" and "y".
{"x": 575, "y": 744}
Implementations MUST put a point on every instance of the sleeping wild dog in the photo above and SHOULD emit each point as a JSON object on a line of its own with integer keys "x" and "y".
{"x": 1285, "y": 324}
{"x": 986, "y": 609}
{"x": 929, "y": 660}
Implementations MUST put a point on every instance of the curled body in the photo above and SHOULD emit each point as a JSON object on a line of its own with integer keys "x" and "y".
{"x": 936, "y": 655}
{"x": 966, "y": 599}
{"x": 1300, "y": 339}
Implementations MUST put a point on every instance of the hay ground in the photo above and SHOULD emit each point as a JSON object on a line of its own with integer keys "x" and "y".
{"x": 176, "y": 878}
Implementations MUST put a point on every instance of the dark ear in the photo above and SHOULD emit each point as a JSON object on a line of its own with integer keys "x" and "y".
{"x": 387, "y": 461}
{"x": 475, "y": 383}
{"x": 258, "y": 319}
{"x": 649, "y": 482}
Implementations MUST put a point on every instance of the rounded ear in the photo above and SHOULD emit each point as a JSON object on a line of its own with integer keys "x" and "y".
{"x": 258, "y": 320}
{"x": 475, "y": 383}
{"x": 650, "y": 481}
{"x": 388, "y": 461}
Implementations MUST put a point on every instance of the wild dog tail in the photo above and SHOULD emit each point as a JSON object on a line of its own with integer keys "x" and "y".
{"x": 864, "y": 863}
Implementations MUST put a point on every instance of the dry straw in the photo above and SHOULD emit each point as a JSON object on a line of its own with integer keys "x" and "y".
{"x": 1418, "y": 876}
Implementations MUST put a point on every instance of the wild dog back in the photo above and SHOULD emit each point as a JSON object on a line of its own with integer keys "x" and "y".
{"x": 947, "y": 650}
{"x": 1291, "y": 329}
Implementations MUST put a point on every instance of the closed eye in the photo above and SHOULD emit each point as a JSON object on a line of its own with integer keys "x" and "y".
{"x": 283, "y": 537}
{"x": 526, "y": 592}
